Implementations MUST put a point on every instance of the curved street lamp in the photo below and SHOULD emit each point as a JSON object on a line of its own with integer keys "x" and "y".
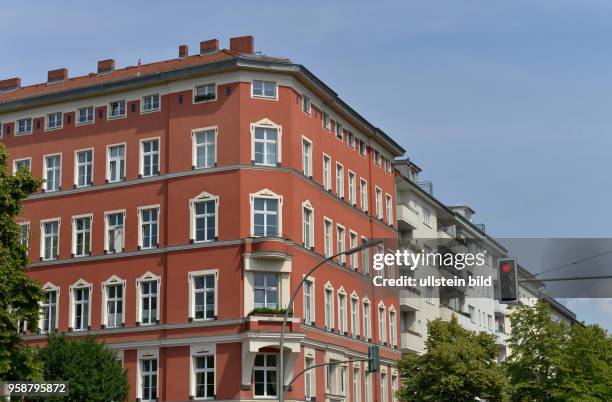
{"x": 364, "y": 245}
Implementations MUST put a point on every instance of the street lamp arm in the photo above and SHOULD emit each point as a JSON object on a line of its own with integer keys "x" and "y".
{"x": 324, "y": 364}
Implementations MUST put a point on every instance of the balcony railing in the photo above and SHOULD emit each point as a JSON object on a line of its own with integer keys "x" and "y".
{"x": 411, "y": 341}
{"x": 407, "y": 215}
{"x": 426, "y": 186}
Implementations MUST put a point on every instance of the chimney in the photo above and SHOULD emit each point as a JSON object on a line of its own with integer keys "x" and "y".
{"x": 105, "y": 66}
{"x": 208, "y": 46}
{"x": 57, "y": 75}
{"x": 10, "y": 84}
{"x": 243, "y": 44}
{"x": 183, "y": 51}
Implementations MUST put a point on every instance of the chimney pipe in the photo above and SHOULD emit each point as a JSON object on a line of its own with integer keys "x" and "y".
{"x": 10, "y": 84}
{"x": 183, "y": 51}
{"x": 208, "y": 46}
{"x": 57, "y": 75}
{"x": 243, "y": 44}
{"x": 105, "y": 66}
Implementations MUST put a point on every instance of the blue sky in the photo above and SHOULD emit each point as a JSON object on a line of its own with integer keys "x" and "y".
{"x": 505, "y": 105}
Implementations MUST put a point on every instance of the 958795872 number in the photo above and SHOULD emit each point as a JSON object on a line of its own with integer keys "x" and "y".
{"x": 26, "y": 388}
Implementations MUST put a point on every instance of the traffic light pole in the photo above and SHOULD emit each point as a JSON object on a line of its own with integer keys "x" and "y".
{"x": 569, "y": 278}
{"x": 324, "y": 364}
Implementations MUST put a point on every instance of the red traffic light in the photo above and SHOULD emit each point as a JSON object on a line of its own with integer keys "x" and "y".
{"x": 506, "y": 267}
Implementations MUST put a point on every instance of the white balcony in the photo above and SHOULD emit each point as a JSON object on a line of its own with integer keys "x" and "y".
{"x": 412, "y": 342}
{"x": 410, "y": 300}
{"x": 500, "y": 308}
{"x": 463, "y": 318}
{"x": 407, "y": 217}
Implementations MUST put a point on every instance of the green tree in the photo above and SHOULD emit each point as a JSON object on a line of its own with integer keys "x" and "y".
{"x": 91, "y": 369}
{"x": 459, "y": 365}
{"x": 19, "y": 294}
{"x": 551, "y": 361}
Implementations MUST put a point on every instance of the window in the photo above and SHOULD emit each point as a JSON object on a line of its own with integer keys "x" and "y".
{"x": 114, "y": 305}
{"x": 308, "y": 302}
{"x": 356, "y": 384}
{"x": 351, "y": 140}
{"x": 85, "y": 115}
{"x": 355, "y": 317}
{"x": 392, "y": 330}
{"x": 308, "y": 226}
{"x": 367, "y": 334}
{"x": 54, "y": 120}
{"x": 489, "y": 322}
{"x": 23, "y": 126}
{"x": 305, "y": 104}
{"x": 21, "y": 164}
{"x": 264, "y": 89}
{"x": 339, "y": 132}
{"x": 365, "y": 258}
{"x": 383, "y": 387}
{"x": 148, "y": 302}
{"x": 266, "y": 217}
{"x": 306, "y": 157}
{"x": 265, "y": 374}
{"x": 53, "y": 172}
{"x": 353, "y": 244}
{"x": 266, "y": 290}
{"x": 394, "y": 385}
{"x": 379, "y": 212}
{"x": 309, "y": 383}
{"x": 429, "y": 294}
{"x": 150, "y": 158}
{"x": 326, "y": 172}
{"x": 382, "y": 325}
{"x": 116, "y": 163}
{"x": 362, "y": 148}
{"x": 387, "y": 165}
{"x": 204, "y": 371}
{"x": 148, "y": 379}
{"x": 81, "y": 227}
{"x": 114, "y": 232}
{"x": 472, "y": 313}
{"x": 84, "y": 168}
{"x": 329, "y": 309}
{"x": 352, "y": 195}
{"x": 204, "y": 297}
{"x": 24, "y": 234}
{"x": 150, "y": 103}
{"x": 266, "y": 146}
{"x": 389, "y": 208}
{"x": 325, "y": 120}
{"x": 377, "y": 157}
{"x": 49, "y": 312}
{"x": 50, "y": 240}
{"x": 368, "y": 386}
{"x": 343, "y": 380}
{"x": 328, "y": 237}
{"x": 426, "y": 216}
{"x": 116, "y": 109}
{"x": 205, "y": 154}
{"x": 148, "y": 227}
{"x": 80, "y": 301}
{"x": 205, "y": 93}
{"x": 339, "y": 180}
{"x": 204, "y": 219}
{"x": 341, "y": 313}
{"x": 340, "y": 243}
{"x": 363, "y": 194}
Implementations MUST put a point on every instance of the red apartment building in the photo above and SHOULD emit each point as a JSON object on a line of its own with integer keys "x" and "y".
{"x": 184, "y": 196}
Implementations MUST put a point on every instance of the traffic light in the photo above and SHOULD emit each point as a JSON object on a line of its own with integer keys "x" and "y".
{"x": 373, "y": 358}
{"x": 508, "y": 280}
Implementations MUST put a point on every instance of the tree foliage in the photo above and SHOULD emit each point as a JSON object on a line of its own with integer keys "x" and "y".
{"x": 459, "y": 365}
{"x": 551, "y": 361}
{"x": 91, "y": 369}
{"x": 19, "y": 294}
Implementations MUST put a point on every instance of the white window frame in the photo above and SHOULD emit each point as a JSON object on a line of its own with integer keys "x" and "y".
{"x": 310, "y": 230}
{"x": 426, "y": 216}
{"x": 206, "y": 351}
{"x": 118, "y": 116}
{"x": 312, "y": 306}
{"x": 382, "y": 323}
{"x": 389, "y": 208}
{"x": 354, "y": 242}
{"x": 327, "y": 175}
{"x": 27, "y": 239}
{"x": 378, "y": 198}
{"x": 106, "y": 229}
{"x": 44, "y": 168}
{"x": 80, "y": 284}
{"x": 356, "y": 383}
{"x": 108, "y": 162}
{"x": 352, "y": 188}
{"x": 340, "y": 180}
{"x": 325, "y": 119}
{"x": 306, "y": 105}
{"x": 147, "y": 277}
{"x": 140, "y": 237}
{"x": 42, "y": 238}
{"x": 202, "y": 197}
{"x": 48, "y": 127}
{"x": 18, "y": 131}
{"x": 338, "y": 131}
{"x": 141, "y": 164}
{"x": 342, "y": 311}
{"x": 310, "y": 375}
{"x": 195, "y": 90}
{"x": 268, "y": 124}
{"x": 112, "y": 281}
{"x": 195, "y": 146}
{"x": 365, "y": 258}
{"x": 50, "y": 287}
{"x": 142, "y": 355}
{"x": 363, "y": 194}
{"x": 77, "y": 164}
{"x": 392, "y": 327}
{"x": 329, "y": 307}
{"x": 366, "y": 312}
{"x": 263, "y": 95}
{"x": 77, "y": 116}
{"x": 15, "y": 162}
{"x": 74, "y": 234}
{"x": 307, "y": 157}
{"x": 355, "y": 315}
{"x": 266, "y": 368}
{"x": 328, "y": 238}
{"x": 266, "y": 194}
{"x": 152, "y": 110}
{"x": 191, "y": 284}
{"x": 341, "y": 242}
